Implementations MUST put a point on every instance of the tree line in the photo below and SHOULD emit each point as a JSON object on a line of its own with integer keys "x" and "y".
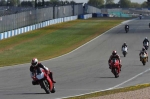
{"x": 120, "y": 4}
{"x": 96, "y": 3}
{"x": 31, "y": 3}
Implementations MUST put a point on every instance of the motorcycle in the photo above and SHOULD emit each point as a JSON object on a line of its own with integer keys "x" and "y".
{"x": 143, "y": 58}
{"x": 44, "y": 81}
{"x": 146, "y": 45}
{"x": 124, "y": 51}
{"x": 127, "y": 29}
{"x": 115, "y": 68}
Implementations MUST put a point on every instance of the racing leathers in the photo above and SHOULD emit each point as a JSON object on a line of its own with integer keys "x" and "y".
{"x": 126, "y": 27}
{"x": 142, "y": 52}
{"x": 145, "y": 41}
{"x": 116, "y": 57}
{"x": 124, "y": 45}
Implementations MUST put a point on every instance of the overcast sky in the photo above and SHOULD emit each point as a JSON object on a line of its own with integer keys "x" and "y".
{"x": 116, "y": 1}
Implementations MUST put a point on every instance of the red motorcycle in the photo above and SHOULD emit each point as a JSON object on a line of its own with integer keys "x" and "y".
{"x": 115, "y": 68}
{"x": 45, "y": 81}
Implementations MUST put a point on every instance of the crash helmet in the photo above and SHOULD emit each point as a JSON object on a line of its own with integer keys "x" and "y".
{"x": 34, "y": 62}
{"x": 114, "y": 53}
{"x": 145, "y": 38}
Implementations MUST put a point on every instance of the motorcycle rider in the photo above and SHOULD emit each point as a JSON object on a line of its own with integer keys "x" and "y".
{"x": 126, "y": 26}
{"x": 145, "y": 41}
{"x": 35, "y": 65}
{"x": 143, "y": 51}
{"x": 114, "y": 55}
{"x": 124, "y": 45}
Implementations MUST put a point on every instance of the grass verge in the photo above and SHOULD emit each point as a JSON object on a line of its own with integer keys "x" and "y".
{"x": 108, "y": 92}
{"x": 53, "y": 41}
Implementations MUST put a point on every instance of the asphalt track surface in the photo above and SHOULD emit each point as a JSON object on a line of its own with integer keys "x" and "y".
{"x": 85, "y": 69}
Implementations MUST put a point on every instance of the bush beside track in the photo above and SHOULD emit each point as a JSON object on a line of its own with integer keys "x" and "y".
{"x": 109, "y": 92}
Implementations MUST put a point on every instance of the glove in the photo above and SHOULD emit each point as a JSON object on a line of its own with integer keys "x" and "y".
{"x": 47, "y": 72}
{"x": 33, "y": 77}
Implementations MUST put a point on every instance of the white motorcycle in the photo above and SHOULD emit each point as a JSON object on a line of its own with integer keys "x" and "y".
{"x": 146, "y": 45}
{"x": 124, "y": 51}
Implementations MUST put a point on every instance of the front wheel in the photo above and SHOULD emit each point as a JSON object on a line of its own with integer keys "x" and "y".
{"x": 45, "y": 85}
{"x": 144, "y": 63}
{"x": 124, "y": 54}
{"x": 53, "y": 90}
{"x": 115, "y": 73}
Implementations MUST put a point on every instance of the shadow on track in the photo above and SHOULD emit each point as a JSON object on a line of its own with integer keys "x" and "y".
{"x": 105, "y": 77}
{"x": 25, "y": 94}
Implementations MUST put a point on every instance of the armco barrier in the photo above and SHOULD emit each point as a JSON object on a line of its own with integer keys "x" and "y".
{"x": 97, "y": 15}
{"x": 39, "y": 25}
{"x": 85, "y": 16}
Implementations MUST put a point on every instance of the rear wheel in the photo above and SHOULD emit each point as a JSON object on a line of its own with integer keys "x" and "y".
{"x": 144, "y": 63}
{"x": 115, "y": 73}
{"x": 124, "y": 54}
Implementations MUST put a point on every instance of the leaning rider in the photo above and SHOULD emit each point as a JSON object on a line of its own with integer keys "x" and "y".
{"x": 35, "y": 65}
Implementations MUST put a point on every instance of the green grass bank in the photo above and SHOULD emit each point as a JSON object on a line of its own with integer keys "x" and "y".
{"x": 53, "y": 41}
{"x": 109, "y": 92}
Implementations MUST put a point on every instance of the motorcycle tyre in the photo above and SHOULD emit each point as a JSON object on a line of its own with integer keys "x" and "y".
{"x": 44, "y": 86}
{"x": 53, "y": 90}
{"x": 115, "y": 73}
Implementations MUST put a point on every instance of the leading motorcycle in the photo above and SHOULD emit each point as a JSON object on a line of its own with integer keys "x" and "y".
{"x": 115, "y": 68}
{"x": 44, "y": 81}
{"x": 124, "y": 51}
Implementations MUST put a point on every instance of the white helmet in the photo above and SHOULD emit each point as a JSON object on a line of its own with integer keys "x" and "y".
{"x": 34, "y": 62}
{"x": 145, "y": 37}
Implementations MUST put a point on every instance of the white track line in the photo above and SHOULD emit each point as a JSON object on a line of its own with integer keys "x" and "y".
{"x": 111, "y": 87}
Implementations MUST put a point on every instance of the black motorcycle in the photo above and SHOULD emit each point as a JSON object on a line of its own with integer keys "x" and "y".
{"x": 127, "y": 30}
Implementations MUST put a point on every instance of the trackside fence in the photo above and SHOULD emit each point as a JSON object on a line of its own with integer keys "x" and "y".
{"x": 25, "y": 29}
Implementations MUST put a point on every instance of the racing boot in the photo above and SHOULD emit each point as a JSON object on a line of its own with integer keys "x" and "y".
{"x": 120, "y": 66}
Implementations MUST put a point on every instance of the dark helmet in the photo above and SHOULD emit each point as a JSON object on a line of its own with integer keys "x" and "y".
{"x": 114, "y": 53}
{"x": 124, "y": 43}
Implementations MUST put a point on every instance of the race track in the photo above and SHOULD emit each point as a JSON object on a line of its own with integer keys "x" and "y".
{"x": 85, "y": 69}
